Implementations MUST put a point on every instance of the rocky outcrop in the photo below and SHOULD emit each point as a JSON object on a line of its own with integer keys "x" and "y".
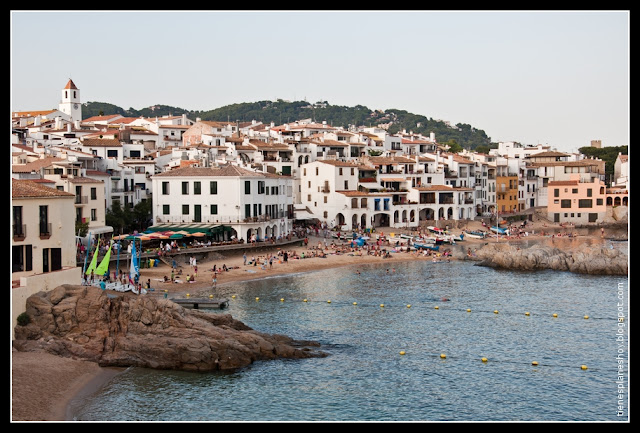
{"x": 583, "y": 259}
{"x": 122, "y": 330}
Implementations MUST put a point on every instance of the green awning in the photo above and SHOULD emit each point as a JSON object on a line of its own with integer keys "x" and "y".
{"x": 208, "y": 229}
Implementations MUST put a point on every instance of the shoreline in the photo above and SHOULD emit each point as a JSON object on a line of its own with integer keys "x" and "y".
{"x": 70, "y": 380}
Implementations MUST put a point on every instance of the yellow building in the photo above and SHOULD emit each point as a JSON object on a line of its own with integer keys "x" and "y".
{"x": 507, "y": 193}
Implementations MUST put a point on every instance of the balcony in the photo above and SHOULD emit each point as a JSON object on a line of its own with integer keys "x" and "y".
{"x": 45, "y": 230}
{"x": 19, "y": 232}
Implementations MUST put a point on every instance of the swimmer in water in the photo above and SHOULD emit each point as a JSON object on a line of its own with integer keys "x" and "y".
{"x": 443, "y": 299}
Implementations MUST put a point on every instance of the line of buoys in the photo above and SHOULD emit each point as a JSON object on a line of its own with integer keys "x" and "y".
{"x": 485, "y": 360}
{"x": 436, "y": 307}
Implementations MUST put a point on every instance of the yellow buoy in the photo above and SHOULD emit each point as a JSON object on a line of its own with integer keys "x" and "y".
{"x": 468, "y": 310}
{"x": 534, "y": 363}
{"x": 355, "y": 303}
{"x": 436, "y": 307}
{"x": 304, "y": 300}
{"x": 381, "y": 305}
{"x": 495, "y": 311}
{"x": 408, "y": 305}
{"x": 584, "y": 367}
{"x": 187, "y": 295}
{"x": 210, "y": 296}
{"x": 484, "y": 359}
{"x": 586, "y": 317}
{"x": 402, "y": 352}
{"x": 257, "y": 299}
{"x": 555, "y": 315}
{"x": 281, "y": 299}
{"x": 526, "y": 313}
{"x": 443, "y": 356}
{"x": 233, "y": 296}
{"x": 329, "y": 301}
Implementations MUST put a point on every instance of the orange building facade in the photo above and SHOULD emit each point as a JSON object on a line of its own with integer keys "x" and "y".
{"x": 577, "y": 201}
{"x": 507, "y": 193}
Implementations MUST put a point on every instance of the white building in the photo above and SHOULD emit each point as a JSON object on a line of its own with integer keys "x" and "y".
{"x": 621, "y": 171}
{"x": 250, "y": 202}
{"x": 43, "y": 250}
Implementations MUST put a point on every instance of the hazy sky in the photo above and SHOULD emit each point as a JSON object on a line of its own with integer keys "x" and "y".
{"x": 553, "y": 77}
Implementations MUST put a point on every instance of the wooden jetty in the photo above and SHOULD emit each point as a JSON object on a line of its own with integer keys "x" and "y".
{"x": 200, "y": 303}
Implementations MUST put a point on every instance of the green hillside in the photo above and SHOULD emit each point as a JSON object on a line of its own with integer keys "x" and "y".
{"x": 279, "y": 112}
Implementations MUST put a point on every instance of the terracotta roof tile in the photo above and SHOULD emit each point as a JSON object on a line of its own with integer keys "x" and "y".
{"x": 29, "y": 189}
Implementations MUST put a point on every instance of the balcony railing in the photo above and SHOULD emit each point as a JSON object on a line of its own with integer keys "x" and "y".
{"x": 19, "y": 232}
{"x": 45, "y": 230}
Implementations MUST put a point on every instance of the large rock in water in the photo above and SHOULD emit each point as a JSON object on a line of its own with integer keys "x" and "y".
{"x": 125, "y": 330}
{"x": 584, "y": 259}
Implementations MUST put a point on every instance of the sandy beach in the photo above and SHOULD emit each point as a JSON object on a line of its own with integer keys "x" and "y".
{"x": 43, "y": 385}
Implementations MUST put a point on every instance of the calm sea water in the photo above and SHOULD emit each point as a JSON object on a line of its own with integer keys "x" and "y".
{"x": 365, "y": 378}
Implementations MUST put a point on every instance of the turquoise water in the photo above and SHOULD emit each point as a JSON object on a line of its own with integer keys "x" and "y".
{"x": 365, "y": 378}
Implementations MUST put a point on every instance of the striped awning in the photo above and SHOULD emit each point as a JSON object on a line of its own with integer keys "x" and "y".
{"x": 204, "y": 228}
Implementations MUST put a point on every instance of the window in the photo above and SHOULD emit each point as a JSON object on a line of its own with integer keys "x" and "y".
{"x": 214, "y": 209}
{"x": 185, "y": 188}
{"x": 352, "y": 172}
{"x": 196, "y": 187}
{"x": 165, "y": 188}
{"x": 574, "y": 190}
{"x": 247, "y": 210}
{"x": 94, "y": 193}
{"x": 18, "y": 229}
{"x": 317, "y": 171}
{"x": 599, "y": 202}
{"x": 261, "y": 187}
{"x": 585, "y": 203}
{"x": 213, "y": 187}
{"x": 94, "y": 214}
{"x": 556, "y": 192}
{"x": 346, "y": 184}
{"x": 165, "y": 209}
{"x": 185, "y": 209}
{"x": 247, "y": 187}
{"x": 21, "y": 258}
{"x": 565, "y": 203}
{"x": 589, "y": 192}
{"x": 325, "y": 198}
{"x": 112, "y": 153}
{"x": 44, "y": 220}
{"x": 340, "y": 171}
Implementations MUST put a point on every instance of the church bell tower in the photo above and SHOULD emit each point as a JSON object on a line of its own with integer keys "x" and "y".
{"x": 70, "y": 103}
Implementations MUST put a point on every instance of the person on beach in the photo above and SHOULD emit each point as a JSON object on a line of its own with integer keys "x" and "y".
{"x": 214, "y": 282}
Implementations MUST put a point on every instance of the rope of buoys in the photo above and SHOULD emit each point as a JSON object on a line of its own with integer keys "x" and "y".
{"x": 485, "y": 360}
{"x": 437, "y": 307}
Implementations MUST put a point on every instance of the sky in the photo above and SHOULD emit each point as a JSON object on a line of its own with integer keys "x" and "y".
{"x": 558, "y": 78}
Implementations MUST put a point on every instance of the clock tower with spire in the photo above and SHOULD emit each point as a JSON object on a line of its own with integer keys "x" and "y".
{"x": 70, "y": 103}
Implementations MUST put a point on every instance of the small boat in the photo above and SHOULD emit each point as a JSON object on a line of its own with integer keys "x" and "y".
{"x": 424, "y": 246}
{"x": 437, "y": 230}
{"x": 476, "y": 234}
{"x": 499, "y": 230}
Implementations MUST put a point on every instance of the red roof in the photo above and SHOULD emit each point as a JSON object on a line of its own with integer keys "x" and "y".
{"x": 70, "y": 85}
